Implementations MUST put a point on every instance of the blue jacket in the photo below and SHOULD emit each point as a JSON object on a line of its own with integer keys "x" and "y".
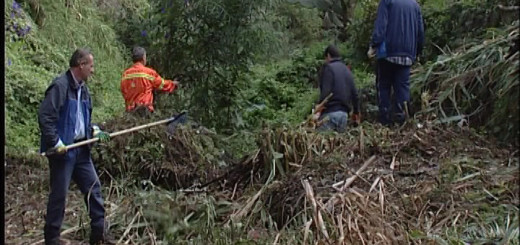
{"x": 399, "y": 24}
{"x": 58, "y": 112}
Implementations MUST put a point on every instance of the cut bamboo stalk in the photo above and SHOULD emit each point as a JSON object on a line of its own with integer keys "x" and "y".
{"x": 128, "y": 228}
{"x": 351, "y": 179}
{"x": 317, "y": 213}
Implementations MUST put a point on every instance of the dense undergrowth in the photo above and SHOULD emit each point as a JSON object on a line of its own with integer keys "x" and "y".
{"x": 247, "y": 169}
{"x": 34, "y": 58}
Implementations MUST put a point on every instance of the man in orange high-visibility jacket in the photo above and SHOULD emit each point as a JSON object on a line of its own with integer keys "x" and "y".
{"x": 139, "y": 82}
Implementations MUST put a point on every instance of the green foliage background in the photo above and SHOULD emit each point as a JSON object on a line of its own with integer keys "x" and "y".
{"x": 33, "y": 61}
{"x": 242, "y": 63}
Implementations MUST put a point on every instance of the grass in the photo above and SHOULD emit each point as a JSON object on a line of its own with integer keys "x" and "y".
{"x": 433, "y": 184}
{"x": 34, "y": 60}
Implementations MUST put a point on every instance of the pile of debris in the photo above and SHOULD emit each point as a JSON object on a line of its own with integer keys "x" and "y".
{"x": 393, "y": 187}
{"x": 188, "y": 156}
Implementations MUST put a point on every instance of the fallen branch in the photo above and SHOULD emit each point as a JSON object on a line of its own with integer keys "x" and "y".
{"x": 248, "y": 206}
{"x": 128, "y": 228}
{"x": 306, "y": 231}
{"x": 508, "y": 8}
{"x": 351, "y": 179}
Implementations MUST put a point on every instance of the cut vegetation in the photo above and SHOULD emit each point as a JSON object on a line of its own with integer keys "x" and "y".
{"x": 247, "y": 169}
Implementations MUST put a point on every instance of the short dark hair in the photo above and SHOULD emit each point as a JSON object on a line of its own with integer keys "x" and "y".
{"x": 79, "y": 56}
{"x": 138, "y": 54}
{"x": 332, "y": 51}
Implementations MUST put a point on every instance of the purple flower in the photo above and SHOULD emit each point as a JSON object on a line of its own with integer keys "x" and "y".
{"x": 12, "y": 15}
{"x": 16, "y": 6}
{"x": 9, "y": 62}
{"x": 163, "y": 10}
{"x": 143, "y": 33}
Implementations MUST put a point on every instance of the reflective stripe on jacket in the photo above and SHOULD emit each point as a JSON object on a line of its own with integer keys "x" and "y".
{"x": 139, "y": 82}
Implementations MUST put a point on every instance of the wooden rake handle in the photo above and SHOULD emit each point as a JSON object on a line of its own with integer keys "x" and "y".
{"x": 90, "y": 141}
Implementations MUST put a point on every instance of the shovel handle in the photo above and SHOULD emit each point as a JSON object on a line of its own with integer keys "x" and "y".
{"x": 90, "y": 141}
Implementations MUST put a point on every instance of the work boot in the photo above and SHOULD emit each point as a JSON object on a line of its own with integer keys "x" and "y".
{"x": 58, "y": 241}
{"x": 103, "y": 240}
{"x": 55, "y": 241}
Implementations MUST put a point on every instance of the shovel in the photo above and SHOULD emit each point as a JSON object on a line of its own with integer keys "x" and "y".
{"x": 170, "y": 121}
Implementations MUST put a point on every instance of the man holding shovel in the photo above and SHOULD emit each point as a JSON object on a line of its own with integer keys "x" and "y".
{"x": 64, "y": 118}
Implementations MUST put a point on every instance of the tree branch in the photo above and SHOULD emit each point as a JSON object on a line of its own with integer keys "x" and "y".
{"x": 508, "y": 8}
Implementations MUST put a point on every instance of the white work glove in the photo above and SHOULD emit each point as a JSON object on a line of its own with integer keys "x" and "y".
{"x": 316, "y": 116}
{"x": 98, "y": 133}
{"x": 60, "y": 148}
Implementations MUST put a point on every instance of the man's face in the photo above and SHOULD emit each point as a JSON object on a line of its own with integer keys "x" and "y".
{"x": 86, "y": 68}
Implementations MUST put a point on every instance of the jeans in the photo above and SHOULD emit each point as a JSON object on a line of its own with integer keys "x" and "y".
{"x": 394, "y": 77}
{"x": 75, "y": 164}
{"x": 337, "y": 121}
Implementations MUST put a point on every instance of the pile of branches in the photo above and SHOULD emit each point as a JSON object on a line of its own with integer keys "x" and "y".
{"x": 180, "y": 159}
{"x": 477, "y": 84}
{"x": 369, "y": 185}
{"x": 387, "y": 187}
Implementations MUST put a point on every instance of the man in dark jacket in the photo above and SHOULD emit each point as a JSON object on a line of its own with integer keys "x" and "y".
{"x": 397, "y": 41}
{"x": 65, "y": 118}
{"x": 337, "y": 79}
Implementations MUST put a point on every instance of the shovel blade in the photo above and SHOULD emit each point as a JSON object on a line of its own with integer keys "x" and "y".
{"x": 179, "y": 119}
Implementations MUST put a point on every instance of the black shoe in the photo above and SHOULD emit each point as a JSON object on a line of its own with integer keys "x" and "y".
{"x": 103, "y": 240}
{"x": 55, "y": 241}
{"x": 58, "y": 241}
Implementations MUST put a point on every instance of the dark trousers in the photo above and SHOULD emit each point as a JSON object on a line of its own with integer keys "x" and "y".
{"x": 396, "y": 78}
{"x": 77, "y": 165}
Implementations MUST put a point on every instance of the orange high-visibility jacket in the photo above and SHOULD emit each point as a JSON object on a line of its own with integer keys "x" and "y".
{"x": 138, "y": 83}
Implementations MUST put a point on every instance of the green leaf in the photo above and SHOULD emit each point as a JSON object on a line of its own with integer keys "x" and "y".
{"x": 416, "y": 234}
{"x": 277, "y": 155}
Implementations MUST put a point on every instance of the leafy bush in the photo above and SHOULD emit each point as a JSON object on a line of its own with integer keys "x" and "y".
{"x": 478, "y": 84}
{"x": 448, "y": 24}
{"x": 34, "y": 56}
{"x": 211, "y": 44}
{"x": 303, "y": 24}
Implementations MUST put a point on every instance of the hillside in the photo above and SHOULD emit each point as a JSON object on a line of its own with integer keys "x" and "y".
{"x": 246, "y": 169}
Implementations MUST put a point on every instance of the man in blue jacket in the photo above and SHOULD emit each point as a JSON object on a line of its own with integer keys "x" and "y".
{"x": 337, "y": 79}
{"x": 64, "y": 118}
{"x": 397, "y": 41}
